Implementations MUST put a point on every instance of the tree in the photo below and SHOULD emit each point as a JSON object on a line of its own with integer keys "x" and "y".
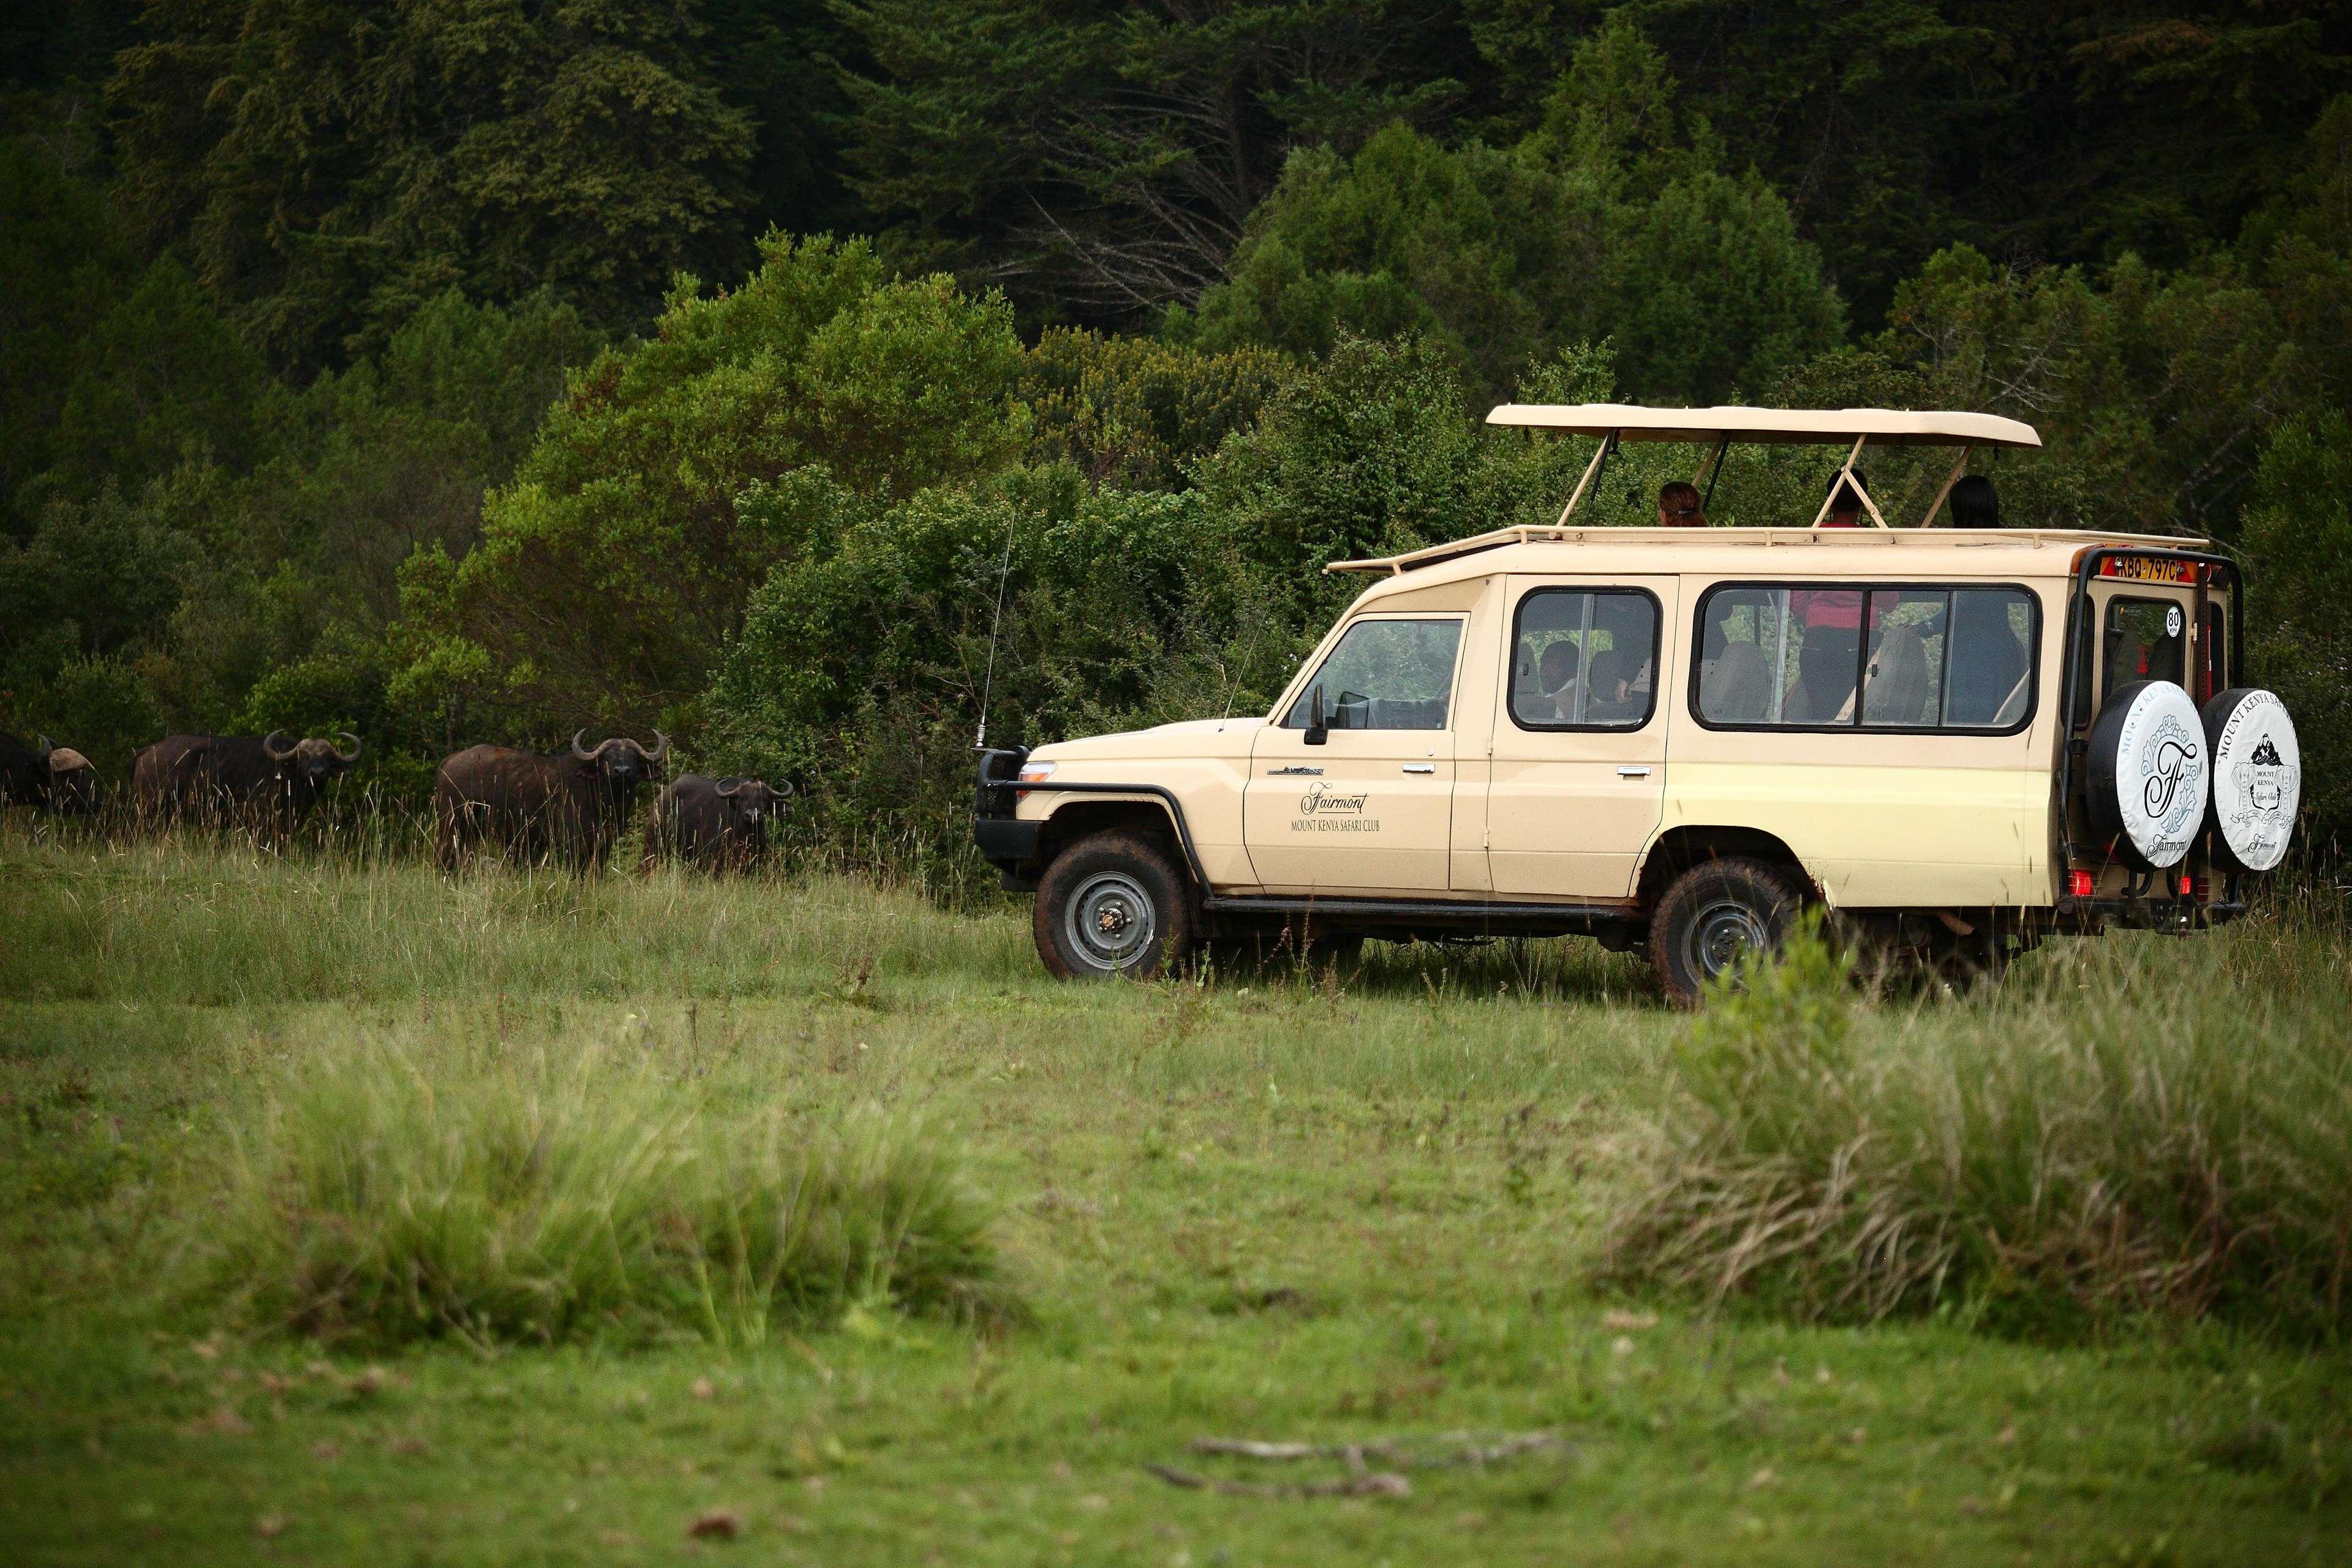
{"x": 1135, "y": 413}
{"x": 397, "y": 452}
{"x": 2298, "y": 538}
{"x": 616, "y": 564}
{"x": 160, "y": 378}
{"x": 332, "y": 165}
{"x": 65, "y": 264}
{"x": 1100, "y": 160}
{"x": 1613, "y": 219}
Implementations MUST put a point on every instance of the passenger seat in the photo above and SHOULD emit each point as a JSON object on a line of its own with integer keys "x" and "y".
{"x": 1896, "y": 691}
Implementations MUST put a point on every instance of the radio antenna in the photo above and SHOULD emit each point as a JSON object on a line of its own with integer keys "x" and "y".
{"x": 988, "y": 682}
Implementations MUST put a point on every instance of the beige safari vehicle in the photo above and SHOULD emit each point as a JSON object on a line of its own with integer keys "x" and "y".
{"x": 1957, "y": 741}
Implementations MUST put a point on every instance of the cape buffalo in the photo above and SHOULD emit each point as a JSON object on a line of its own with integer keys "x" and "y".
{"x": 567, "y": 806}
{"x": 719, "y": 825}
{"x": 55, "y": 778}
{"x": 259, "y": 781}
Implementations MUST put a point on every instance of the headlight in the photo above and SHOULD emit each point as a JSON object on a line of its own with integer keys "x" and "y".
{"x": 1036, "y": 773}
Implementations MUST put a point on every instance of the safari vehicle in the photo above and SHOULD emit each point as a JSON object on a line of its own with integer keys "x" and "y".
{"x": 1957, "y": 742}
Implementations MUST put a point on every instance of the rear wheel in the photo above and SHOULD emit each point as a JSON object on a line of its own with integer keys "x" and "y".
{"x": 1109, "y": 905}
{"x": 1713, "y": 915}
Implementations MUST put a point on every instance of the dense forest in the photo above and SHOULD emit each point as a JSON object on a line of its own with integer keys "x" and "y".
{"x": 461, "y": 369}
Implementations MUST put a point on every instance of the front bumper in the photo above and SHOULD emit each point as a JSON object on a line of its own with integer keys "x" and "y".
{"x": 1005, "y": 841}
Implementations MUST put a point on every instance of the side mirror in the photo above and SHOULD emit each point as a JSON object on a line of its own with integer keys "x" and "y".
{"x": 1317, "y": 729}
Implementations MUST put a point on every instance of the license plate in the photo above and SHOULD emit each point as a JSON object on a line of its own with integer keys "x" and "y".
{"x": 2148, "y": 569}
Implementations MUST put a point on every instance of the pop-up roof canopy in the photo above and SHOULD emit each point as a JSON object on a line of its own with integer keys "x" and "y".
{"x": 1617, "y": 423}
{"x": 1772, "y": 427}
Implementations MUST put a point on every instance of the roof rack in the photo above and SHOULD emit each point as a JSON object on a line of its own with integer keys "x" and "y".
{"x": 1616, "y": 423}
{"x": 1690, "y": 538}
{"x": 1770, "y": 427}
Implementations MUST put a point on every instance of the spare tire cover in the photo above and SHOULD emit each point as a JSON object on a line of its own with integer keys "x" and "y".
{"x": 2257, "y": 776}
{"x": 2149, "y": 774}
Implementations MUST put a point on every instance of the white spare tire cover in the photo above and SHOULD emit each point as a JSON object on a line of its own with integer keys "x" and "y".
{"x": 2257, "y": 776}
{"x": 2149, "y": 774}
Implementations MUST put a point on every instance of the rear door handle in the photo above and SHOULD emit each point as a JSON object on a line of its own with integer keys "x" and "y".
{"x": 1634, "y": 772}
{"x": 1420, "y": 767}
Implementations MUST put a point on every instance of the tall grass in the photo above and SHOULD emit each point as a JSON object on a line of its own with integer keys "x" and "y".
{"x": 397, "y": 1191}
{"x": 2140, "y": 1129}
{"x": 197, "y": 919}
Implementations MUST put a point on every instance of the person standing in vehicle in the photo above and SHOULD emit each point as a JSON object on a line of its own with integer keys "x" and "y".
{"x": 1678, "y": 505}
{"x": 1846, "y": 507}
{"x": 1975, "y": 503}
{"x": 1829, "y": 658}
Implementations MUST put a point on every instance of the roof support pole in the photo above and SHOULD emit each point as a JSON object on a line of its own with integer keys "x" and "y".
{"x": 1590, "y": 470}
{"x": 1712, "y": 470}
{"x": 1844, "y": 478}
{"x": 1958, "y": 469}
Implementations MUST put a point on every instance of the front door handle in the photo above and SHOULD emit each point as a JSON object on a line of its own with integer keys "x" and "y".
{"x": 1636, "y": 772}
{"x": 1421, "y": 767}
{"x": 1293, "y": 773}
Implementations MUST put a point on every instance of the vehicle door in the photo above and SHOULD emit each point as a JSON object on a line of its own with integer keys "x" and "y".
{"x": 1578, "y": 776}
{"x": 1362, "y": 803}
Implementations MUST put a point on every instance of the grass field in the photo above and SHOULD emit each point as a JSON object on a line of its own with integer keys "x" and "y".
{"x": 1296, "y": 1206}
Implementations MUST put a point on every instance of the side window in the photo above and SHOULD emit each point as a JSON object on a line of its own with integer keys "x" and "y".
{"x": 2147, "y": 640}
{"x": 1988, "y": 685}
{"x": 1385, "y": 675}
{"x": 1584, "y": 658}
{"x": 1876, "y": 659}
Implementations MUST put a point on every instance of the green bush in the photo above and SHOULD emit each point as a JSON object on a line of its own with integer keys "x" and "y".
{"x": 2101, "y": 1146}
{"x": 1616, "y": 219}
{"x": 383, "y": 1196}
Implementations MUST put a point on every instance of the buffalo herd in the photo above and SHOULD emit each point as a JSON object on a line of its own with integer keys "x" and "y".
{"x": 568, "y": 807}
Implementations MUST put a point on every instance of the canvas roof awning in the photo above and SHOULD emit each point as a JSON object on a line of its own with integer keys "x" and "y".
{"x": 1807, "y": 427}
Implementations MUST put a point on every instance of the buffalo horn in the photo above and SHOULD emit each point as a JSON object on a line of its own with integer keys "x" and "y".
{"x": 277, "y": 753}
{"x": 353, "y": 754}
{"x": 661, "y": 753}
{"x": 580, "y": 752}
{"x": 729, "y": 788}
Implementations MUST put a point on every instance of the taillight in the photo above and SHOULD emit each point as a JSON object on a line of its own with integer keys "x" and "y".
{"x": 2187, "y": 885}
{"x": 2080, "y": 885}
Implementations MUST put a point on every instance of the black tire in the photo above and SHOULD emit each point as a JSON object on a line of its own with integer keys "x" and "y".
{"x": 1713, "y": 913}
{"x": 1112, "y": 905}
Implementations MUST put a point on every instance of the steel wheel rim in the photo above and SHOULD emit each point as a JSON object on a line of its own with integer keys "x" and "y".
{"x": 1723, "y": 931}
{"x": 1110, "y": 922}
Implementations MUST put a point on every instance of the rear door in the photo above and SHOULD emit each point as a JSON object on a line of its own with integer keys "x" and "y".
{"x": 1369, "y": 808}
{"x": 1579, "y": 769}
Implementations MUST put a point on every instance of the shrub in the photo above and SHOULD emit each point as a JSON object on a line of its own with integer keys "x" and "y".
{"x": 2173, "y": 1139}
{"x": 385, "y": 1195}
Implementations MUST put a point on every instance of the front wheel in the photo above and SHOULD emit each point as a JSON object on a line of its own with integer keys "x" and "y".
{"x": 1713, "y": 916}
{"x": 1112, "y": 905}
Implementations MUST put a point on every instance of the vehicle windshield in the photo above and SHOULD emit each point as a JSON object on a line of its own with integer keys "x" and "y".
{"x": 1384, "y": 675}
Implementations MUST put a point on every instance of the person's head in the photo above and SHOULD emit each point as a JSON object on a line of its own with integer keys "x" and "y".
{"x": 1612, "y": 671}
{"x": 1558, "y": 667}
{"x": 1678, "y": 504}
{"x": 1845, "y": 501}
{"x": 1975, "y": 503}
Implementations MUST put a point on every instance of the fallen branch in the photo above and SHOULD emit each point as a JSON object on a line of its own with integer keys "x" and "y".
{"x": 1362, "y": 1480}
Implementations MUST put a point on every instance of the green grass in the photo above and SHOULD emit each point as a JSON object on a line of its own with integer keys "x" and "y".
{"x": 2107, "y": 1139}
{"x": 1290, "y": 1206}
